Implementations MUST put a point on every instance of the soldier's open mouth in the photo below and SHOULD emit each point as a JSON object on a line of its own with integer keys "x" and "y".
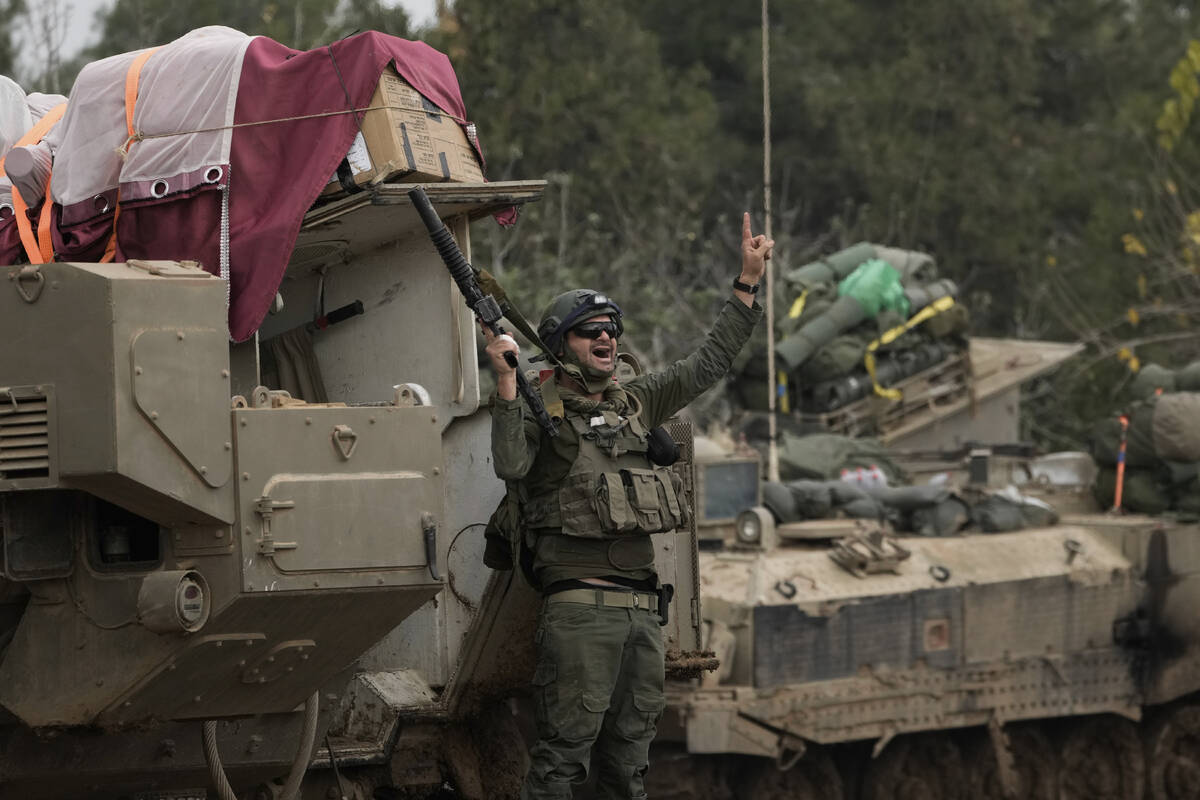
{"x": 602, "y": 352}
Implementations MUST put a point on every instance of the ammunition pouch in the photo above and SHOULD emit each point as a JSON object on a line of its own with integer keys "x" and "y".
{"x": 611, "y": 504}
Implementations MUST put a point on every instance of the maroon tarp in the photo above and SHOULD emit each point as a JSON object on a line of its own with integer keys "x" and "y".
{"x": 277, "y": 169}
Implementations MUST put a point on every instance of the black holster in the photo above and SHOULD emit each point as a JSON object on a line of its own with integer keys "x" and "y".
{"x": 665, "y": 593}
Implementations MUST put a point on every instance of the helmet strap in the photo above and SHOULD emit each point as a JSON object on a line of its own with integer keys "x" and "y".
{"x": 590, "y": 378}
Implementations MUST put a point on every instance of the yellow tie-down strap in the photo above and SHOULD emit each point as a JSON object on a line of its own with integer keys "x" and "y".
{"x": 929, "y": 311}
{"x": 798, "y": 305}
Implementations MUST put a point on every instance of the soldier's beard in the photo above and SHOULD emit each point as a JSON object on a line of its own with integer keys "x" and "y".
{"x": 590, "y": 378}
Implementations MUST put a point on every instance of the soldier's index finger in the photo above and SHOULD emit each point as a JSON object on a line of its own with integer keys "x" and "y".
{"x": 746, "y": 235}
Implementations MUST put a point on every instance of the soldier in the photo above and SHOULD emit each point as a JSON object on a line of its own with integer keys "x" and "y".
{"x": 590, "y": 498}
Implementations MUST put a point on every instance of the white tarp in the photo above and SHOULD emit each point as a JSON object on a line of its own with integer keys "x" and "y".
{"x": 187, "y": 90}
{"x": 15, "y": 119}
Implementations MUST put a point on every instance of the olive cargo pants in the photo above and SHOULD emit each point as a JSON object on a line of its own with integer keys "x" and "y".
{"x": 599, "y": 679}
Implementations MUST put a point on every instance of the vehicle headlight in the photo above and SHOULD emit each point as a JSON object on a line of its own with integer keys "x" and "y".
{"x": 174, "y": 601}
{"x": 748, "y": 527}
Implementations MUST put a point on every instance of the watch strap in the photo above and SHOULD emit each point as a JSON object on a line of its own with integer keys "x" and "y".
{"x": 750, "y": 288}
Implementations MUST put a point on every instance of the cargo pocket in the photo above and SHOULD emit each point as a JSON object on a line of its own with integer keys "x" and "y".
{"x": 595, "y": 703}
{"x": 639, "y": 718}
{"x": 654, "y": 501}
{"x": 545, "y": 698}
{"x": 577, "y": 516}
{"x": 582, "y": 717}
{"x": 612, "y": 504}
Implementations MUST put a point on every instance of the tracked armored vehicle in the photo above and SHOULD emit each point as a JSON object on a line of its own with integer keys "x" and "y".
{"x": 253, "y": 569}
{"x": 1052, "y": 662}
{"x": 204, "y": 574}
{"x": 184, "y": 544}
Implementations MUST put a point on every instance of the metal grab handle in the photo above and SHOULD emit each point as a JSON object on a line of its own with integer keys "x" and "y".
{"x": 29, "y": 272}
{"x": 345, "y": 440}
{"x": 429, "y": 532}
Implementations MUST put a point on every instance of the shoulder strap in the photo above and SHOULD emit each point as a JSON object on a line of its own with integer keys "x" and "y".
{"x": 550, "y": 397}
{"x": 489, "y": 285}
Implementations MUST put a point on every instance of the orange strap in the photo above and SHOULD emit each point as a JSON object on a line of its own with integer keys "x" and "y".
{"x": 39, "y": 131}
{"x": 132, "y": 75}
{"x": 38, "y": 247}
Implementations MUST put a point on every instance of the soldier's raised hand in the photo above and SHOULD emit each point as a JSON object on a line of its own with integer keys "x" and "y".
{"x": 756, "y": 250}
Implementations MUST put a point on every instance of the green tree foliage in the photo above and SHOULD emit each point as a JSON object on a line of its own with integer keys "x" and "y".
{"x": 1007, "y": 137}
{"x": 1015, "y": 140}
{"x": 577, "y": 92}
{"x": 303, "y": 24}
{"x": 9, "y": 10}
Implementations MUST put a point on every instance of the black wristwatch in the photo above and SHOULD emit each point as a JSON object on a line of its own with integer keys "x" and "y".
{"x": 751, "y": 288}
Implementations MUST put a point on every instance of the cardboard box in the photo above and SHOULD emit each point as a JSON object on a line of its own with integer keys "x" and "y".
{"x": 408, "y": 139}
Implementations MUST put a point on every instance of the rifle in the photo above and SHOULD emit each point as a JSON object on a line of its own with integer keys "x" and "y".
{"x": 484, "y": 305}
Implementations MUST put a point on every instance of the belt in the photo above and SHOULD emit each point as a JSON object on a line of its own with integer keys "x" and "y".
{"x": 647, "y": 601}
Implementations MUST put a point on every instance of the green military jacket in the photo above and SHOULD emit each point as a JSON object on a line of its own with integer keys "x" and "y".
{"x": 523, "y": 453}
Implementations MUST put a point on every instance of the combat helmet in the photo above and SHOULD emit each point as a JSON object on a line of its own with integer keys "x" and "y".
{"x": 571, "y": 308}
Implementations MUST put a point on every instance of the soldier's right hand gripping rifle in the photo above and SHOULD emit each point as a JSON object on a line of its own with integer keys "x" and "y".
{"x": 484, "y": 305}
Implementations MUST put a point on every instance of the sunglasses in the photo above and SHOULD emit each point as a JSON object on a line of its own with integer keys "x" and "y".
{"x": 592, "y": 330}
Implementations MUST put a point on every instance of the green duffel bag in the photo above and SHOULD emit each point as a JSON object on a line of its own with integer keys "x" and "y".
{"x": 839, "y": 357}
{"x": 1176, "y": 427}
{"x": 823, "y": 456}
{"x": 812, "y": 499}
{"x": 853, "y": 501}
{"x": 946, "y": 518}
{"x": 914, "y": 267}
{"x": 1185, "y": 498}
{"x": 1179, "y": 473}
{"x": 1001, "y": 512}
{"x": 910, "y": 498}
{"x": 778, "y": 499}
{"x": 1150, "y": 379}
{"x": 954, "y": 321}
{"x": 1139, "y": 439}
{"x": 816, "y": 304}
{"x": 1188, "y": 378}
{"x": 831, "y": 268}
{"x": 1143, "y": 491}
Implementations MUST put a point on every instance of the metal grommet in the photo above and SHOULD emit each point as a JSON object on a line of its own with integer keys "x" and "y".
{"x": 100, "y": 203}
{"x": 6, "y": 211}
{"x": 939, "y": 573}
{"x": 159, "y": 188}
{"x": 213, "y": 174}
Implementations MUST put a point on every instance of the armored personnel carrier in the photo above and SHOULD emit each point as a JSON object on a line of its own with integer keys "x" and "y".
{"x": 191, "y": 557}
{"x": 1057, "y": 661}
{"x": 254, "y": 568}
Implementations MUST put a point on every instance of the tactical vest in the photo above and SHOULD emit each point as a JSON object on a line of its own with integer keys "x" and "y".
{"x": 611, "y": 490}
